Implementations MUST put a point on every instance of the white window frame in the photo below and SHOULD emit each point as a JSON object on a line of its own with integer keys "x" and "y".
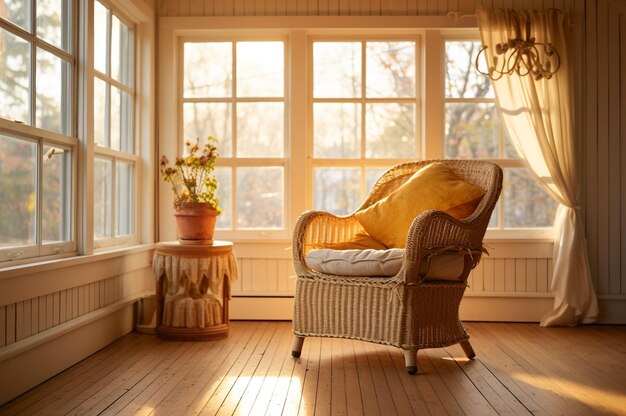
{"x": 80, "y": 142}
{"x": 362, "y": 162}
{"x": 299, "y": 31}
{"x": 27, "y": 131}
{"x": 118, "y": 156}
{"x": 232, "y": 162}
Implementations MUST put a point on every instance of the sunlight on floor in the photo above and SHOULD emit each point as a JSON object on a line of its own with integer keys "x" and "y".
{"x": 592, "y": 397}
{"x": 457, "y": 359}
{"x": 265, "y": 386}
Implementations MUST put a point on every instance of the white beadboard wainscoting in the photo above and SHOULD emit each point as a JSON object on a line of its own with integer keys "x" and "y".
{"x": 514, "y": 274}
{"x": 57, "y": 313}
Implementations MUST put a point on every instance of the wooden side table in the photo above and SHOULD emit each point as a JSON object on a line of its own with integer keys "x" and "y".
{"x": 193, "y": 288}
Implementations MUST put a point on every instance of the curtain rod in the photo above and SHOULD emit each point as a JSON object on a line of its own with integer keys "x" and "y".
{"x": 458, "y": 15}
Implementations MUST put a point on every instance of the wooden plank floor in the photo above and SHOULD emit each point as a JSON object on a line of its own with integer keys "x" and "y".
{"x": 520, "y": 369}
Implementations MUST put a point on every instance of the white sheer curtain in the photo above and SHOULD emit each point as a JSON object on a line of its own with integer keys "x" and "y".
{"x": 538, "y": 117}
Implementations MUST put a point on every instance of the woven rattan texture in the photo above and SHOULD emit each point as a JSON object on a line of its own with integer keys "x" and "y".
{"x": 403, "y": 310}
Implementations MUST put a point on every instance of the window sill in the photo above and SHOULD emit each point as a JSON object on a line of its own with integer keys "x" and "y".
{"x": 11, "y": 271}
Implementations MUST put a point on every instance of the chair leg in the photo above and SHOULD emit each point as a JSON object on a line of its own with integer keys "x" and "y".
{"x": 296, "y": 347}
{"x": 467, "y": 348}
{"x": 410, "y": 360}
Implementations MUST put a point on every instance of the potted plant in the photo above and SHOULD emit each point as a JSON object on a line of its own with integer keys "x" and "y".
{"x": 196, "y": 205}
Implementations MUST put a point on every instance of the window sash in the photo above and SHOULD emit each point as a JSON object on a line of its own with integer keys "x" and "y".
{"x": 68, "y": 76}
{"x": 360, "y": 161}
{"x": 37, "y": 246}
{"x": 54, "y": 214}
{"x": 231, "y": 161}
{"x": 115, "y": 216}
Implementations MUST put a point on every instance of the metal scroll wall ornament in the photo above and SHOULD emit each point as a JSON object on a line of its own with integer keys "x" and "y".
{"x": 522, "y": 56}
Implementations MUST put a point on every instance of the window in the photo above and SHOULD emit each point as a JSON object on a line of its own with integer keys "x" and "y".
{"x": 473, "y": 131}
{"x": 310, "y": 119}
{"x": 235, "y": 92}
{"x": 37, "y": 147}
{"x": 364, "y": 113}
{"x": 113, "y": 134}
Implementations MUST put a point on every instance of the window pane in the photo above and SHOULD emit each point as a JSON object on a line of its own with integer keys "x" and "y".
{"x": 116, "y": 118}
{"x": 125, "y": 199}
{"x": 224, "y": 193}
{"x": 471, "y": 131}
{"x": 526, "y": 204}
{"x": 260, "y": 128}
{"x": 260, "y": 69}
{"x": 390, "y": 69}
{"x": 337, "y": 190}
{"x": 17, "y": 12}
{"x": 390, "y": 131}
{"x": 56, "y": 202}
{"x": 371, "y": 177}
{"x": 14, "y": 77}
{"x": 462, "y": 79}
{"x": 337, "y": 130}
{"x": 208, "y": 69}
{"x": 509, "y": 149}
{"x": 201, "y": 120}
{"x": 493, "y": 221}
{"x": 102, "y": 216}
{"x": 18, "y": 187}
{"x": 336, "y": 69}
{"x": 100, "y": 37}
{"x": 121, "y": 50}
{"x": 126, "y": 123}
{"x": 100, "y": 112}
{"x": 52, "y": 104}
{"x": 260, "y": 197}
{"x": 53, "y": 22}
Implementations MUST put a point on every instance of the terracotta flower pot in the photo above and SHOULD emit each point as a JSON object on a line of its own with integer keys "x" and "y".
{"x": 195, "y": 222}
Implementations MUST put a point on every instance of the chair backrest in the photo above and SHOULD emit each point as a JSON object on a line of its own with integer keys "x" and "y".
{"x": 487, "y": 175}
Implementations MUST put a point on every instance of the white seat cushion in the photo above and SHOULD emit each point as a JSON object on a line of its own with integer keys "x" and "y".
{"x": 378, "y": 263}
{"x": 367, "y": 262}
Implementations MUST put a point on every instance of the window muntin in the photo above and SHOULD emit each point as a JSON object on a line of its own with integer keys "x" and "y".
{"x": 364, "y": 110}
{"x": 235, "y": 91}
{"x": 114, "y": 103}
{"x": 37, "y": 168}
{"x": 473, "y": 131}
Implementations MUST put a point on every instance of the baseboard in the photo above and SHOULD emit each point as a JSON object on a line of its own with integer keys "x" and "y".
{"x": 612, "y": 310}
{"x": 257, "y": 308}
{"x": 504, "y": 308}
{"x": 26, "y": 365}
{"x": 493, "y": 307}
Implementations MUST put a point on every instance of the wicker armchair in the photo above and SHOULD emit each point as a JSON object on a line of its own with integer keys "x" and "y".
{"x": 406, "y": 310}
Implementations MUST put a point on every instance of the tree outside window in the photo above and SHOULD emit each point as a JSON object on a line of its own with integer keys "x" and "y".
{"x": 473, "y": 131}
{"x": 364, "y": 109}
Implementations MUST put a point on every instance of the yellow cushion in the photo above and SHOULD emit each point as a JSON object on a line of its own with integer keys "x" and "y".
{"x": 434, "y": 187}
{"x": 361, "y": 241}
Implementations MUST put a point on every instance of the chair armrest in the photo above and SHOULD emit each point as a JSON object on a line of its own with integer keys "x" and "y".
{"x": 319, "y": 228}
{"x": 434, "y": 231}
